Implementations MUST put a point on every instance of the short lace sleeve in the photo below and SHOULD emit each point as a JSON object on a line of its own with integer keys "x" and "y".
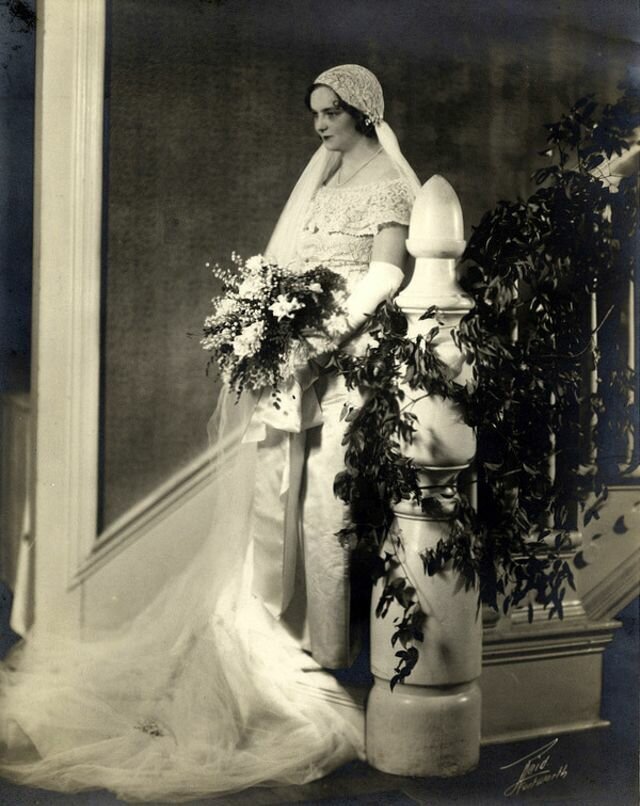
{"x": 391, "y": 205}
{"x": 362, "y": 210}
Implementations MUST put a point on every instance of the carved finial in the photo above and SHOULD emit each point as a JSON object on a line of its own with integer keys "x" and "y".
{"x": 437, "y": 226}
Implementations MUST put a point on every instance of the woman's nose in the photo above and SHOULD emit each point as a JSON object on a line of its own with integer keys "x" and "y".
{"x": 321, "y": 124}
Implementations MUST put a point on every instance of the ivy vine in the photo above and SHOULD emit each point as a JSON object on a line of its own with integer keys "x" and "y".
{"x": 546, "y": 447}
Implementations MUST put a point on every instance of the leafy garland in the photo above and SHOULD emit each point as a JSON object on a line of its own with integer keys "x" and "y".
{"x": 531, "y": 267}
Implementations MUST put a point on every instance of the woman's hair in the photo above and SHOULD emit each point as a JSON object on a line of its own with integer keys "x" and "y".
{"x": 363, "y": 124}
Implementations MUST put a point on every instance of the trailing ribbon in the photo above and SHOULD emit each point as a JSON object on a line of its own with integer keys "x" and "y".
{"x": 280, "y": 464}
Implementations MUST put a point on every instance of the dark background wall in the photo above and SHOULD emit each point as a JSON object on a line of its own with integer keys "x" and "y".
{"x": 17, "y": 59}
{"x": 208, "y": 132}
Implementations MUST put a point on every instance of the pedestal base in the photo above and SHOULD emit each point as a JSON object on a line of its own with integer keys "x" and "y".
{"x": 423, "y": 731}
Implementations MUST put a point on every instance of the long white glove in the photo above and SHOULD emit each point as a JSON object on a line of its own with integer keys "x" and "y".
{"x": 379, "y": 283}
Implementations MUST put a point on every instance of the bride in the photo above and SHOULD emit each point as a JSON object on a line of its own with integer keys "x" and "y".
{"x": 221, "y": 683}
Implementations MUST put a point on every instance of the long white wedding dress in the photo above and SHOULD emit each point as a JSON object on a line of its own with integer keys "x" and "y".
{"x": 206, "y": 692}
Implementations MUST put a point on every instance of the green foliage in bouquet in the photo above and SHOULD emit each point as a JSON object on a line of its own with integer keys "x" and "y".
{"x": 537, "y": 340}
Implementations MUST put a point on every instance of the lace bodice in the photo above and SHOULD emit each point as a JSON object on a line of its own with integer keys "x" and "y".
{"x": 341, "y": 223}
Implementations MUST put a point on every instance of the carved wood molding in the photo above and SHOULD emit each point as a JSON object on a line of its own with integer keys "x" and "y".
{"x": 67, "y": 238}
{"x": 148, "y": 513}
{"x": 15, "y": 430}
{"x": 85, "y": 272}
{"x": 543, "y": 641}
{"x": 615, "y": 591}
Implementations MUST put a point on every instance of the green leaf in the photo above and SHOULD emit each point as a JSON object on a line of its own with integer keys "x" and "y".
{"x": 620, "y": 527}
{"x": 579, "y": 561}
{"x": 532, "y": 262}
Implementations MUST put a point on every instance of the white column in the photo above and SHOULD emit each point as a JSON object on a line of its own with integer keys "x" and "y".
{"x": 430, "y": 724}
{"x": 65, "y": 374}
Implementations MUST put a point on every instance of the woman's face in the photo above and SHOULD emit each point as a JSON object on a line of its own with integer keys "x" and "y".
{"x": 336, "y": 128}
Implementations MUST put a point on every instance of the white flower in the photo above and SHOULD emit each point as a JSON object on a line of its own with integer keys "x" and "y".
{"x": 316, "y": 288}
{"x": 336, "y": 325}
{"x": 284, "y": 307}
{"x": 208, "y": 343}
{"x": 248, "y": 342}
{"x": 225, "y": 307}
{"x": 252, "y": 287}
{"x": 255, "y": 263}
{"x": 339, "y": 298}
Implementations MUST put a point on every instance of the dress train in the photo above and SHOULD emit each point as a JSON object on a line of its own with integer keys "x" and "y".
{"x": 204, "y": 693}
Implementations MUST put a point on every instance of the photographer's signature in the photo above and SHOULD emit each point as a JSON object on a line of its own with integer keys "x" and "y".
{"x": 536, "y": 770}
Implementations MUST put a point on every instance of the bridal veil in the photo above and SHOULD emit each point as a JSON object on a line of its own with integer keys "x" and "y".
{"x": 203, "y": 692}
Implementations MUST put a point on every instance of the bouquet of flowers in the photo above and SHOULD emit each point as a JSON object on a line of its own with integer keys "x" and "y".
{"x": 258, "y": 331}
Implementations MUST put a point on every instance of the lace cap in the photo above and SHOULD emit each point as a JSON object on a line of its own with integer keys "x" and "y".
{"x": 357, "y": 86}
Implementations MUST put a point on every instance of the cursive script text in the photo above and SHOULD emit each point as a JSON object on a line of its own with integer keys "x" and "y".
{"x": 536, "y": 770}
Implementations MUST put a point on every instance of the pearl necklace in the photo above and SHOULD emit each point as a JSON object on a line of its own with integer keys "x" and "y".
{"x": 340, "y": 182}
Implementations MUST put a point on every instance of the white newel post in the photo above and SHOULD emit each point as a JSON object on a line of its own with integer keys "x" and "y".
{"x": 430, "y": 724}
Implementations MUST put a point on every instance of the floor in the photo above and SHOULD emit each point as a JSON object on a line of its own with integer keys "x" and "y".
{"x": 590, "y": 768}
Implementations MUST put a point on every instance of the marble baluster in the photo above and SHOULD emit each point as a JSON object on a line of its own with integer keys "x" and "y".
{"x": 430, "y": 724}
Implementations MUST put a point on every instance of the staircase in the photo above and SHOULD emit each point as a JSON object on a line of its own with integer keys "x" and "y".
{"x": 537, "y": 679}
